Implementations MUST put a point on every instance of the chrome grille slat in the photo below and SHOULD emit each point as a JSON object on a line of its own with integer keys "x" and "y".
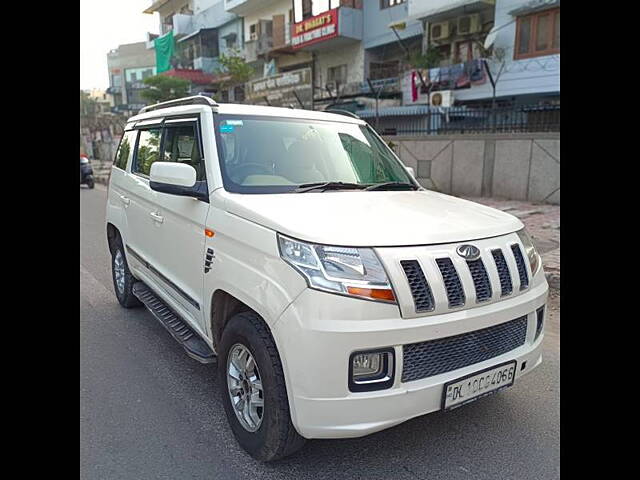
{"x": 420, "y": 290}
{"x": 506, "y": 287}
{"x": 455, "y": 292}
{"x": 522, "y": 269}
{"x": 480, "y": 280}
{"x": 433, "y": 357}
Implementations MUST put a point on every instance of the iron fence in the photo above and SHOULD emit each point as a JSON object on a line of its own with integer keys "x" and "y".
{"x": 452, "y": 120}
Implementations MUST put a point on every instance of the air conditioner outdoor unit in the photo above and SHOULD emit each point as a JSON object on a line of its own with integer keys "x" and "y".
{"x": 469, "y": 24}
{"x": 439, "y": 31}
{"x": 442, "y": 98}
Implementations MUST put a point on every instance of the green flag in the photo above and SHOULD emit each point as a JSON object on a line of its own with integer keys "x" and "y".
{"x": 164, "y": 46}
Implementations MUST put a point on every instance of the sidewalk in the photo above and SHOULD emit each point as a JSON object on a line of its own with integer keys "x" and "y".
{"x": 543, "y": 224}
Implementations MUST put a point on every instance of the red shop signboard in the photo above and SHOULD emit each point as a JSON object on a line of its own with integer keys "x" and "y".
{"x": 315, "y": 29}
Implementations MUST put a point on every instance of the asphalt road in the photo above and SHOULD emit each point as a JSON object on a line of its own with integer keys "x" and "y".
{"x": 148, "y": 411}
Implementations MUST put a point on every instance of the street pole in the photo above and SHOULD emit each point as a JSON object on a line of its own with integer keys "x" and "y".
{"x": 377, "y": 94}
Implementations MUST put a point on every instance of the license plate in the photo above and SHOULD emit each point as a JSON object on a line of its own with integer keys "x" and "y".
{"x": 477, "y": 385}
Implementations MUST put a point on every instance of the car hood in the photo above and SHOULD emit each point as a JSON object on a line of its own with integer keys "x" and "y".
{"x": 372, "y": 219}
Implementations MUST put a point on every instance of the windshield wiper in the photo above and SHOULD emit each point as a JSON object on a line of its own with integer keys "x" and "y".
{"x": 307, "y": 187}
{"x": 391, "y": 185}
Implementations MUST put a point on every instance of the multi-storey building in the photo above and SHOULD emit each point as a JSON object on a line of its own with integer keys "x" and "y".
{"x": 128, "y": 66}
{"x": 344, "y": 51}
{"x": 201, "y": 30}
{"x": 512, "y": 44}
{"x": 392, "y": 59}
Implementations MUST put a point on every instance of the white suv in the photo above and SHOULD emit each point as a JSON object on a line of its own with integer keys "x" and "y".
{"x": 339, "y": 297}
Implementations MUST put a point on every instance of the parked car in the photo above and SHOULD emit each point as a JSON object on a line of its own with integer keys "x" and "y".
{"x": 86, "y": 172}
{"x": 337, "y": 295}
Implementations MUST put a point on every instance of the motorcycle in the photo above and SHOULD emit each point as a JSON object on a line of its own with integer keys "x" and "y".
{"x": 86, "y": 172}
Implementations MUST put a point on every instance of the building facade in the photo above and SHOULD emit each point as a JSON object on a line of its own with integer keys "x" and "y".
{"x": 517, "y": 42}
{"x": 395, "y": 60}
{"x": 128, "y": 65}
{"x": 201, "y": 30}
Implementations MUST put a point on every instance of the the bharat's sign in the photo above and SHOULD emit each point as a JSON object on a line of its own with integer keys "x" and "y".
{"x": 315, "y": 29}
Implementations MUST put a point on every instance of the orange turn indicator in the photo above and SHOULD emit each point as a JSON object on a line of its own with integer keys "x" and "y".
{"x": 209, "y": 233}
{"x": 374, "y": 293}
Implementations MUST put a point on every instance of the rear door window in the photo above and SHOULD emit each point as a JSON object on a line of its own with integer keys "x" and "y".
{"x": 148, "y": 150}
{"x": 125, "y": 149}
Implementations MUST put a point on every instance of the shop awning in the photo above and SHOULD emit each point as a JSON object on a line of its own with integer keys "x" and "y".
{"x": 197, "y": 32}
{"x": 197, "y": 77}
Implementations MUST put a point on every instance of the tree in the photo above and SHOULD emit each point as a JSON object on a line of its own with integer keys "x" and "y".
{"x": 494, "y": 62}
{"x": 431, "y": 58}
{"x": 163, "y": 87}
{"x": 234, "y": 65}
{"x": 88, "y": 105}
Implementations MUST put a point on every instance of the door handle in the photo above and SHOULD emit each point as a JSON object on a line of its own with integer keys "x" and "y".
{"x": 157, "y": 217}
{"x": 125, "y": 200}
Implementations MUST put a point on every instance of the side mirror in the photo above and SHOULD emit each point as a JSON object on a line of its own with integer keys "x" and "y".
{"x": 176, "y": 179}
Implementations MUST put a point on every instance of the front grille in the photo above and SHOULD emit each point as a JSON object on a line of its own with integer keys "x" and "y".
{"x": 522, "y": 269}
{"x": 480, "y": 280}
{"x": 506, "y": 287}
{"x": 455, "y": 293}
{"x": 426, "y": 359}
{"x": 420, "y": 290}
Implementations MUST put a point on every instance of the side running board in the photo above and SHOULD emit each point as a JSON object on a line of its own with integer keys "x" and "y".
{"x": 193, "y": 344}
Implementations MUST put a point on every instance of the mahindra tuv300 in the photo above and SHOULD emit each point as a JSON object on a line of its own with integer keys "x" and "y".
{"x": 337, "y": 295}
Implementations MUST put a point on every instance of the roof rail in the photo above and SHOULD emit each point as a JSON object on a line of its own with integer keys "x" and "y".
{"x": 343, "y": 112}
{"x": 195, "y": 100}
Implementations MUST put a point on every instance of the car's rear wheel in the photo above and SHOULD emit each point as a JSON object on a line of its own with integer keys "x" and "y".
{"x": 253, "y": 389}
{"x": 123, "y": 280}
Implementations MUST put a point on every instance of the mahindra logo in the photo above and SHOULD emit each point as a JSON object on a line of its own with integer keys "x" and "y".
{"x": 468, "y": 252}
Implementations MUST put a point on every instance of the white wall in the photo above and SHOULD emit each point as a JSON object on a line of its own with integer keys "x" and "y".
{"x": 350, "y": 55}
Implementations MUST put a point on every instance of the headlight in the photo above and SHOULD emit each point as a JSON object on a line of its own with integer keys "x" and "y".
{"x": 349, "y": 271}
{"x": 530, "y": 250}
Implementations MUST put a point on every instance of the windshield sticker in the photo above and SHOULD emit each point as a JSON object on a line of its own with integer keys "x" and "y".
{"x": 237, "y": 123}
{"x": 226, "y": 128}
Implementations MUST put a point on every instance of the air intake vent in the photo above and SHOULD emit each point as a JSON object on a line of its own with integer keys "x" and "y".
{"x": 422, "y": 296}
{"x": 506, "y": 287}
{"x": 539, "y": 321}
{"x": 455, "y": 293}
{"x": 480, "y": 280}
{"x": 522, "y": 269}
{"x": 433, "y": 357}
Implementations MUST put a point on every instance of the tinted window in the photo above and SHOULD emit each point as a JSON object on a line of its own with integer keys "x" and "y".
{"x": 125, "y": 149}
{"x": 148, "y": 150}
{"x": 181, "y": 145}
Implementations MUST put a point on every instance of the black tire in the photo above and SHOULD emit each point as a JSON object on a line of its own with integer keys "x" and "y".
{"x": 90, "y": 183}
{"x": 125, "y": 297}
{"x": 276, "y": 436}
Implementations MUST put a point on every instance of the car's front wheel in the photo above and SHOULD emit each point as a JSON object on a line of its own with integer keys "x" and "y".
{"x": 253, "y": 389}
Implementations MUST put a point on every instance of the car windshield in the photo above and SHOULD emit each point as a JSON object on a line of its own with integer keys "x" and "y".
{"x": 277, "y": 155}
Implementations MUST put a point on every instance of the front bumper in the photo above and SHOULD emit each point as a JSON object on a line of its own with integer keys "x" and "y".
{"x": 316, "y": 334}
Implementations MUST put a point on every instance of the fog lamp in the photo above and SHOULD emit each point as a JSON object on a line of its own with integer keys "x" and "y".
{"x": 371, "y": 370}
